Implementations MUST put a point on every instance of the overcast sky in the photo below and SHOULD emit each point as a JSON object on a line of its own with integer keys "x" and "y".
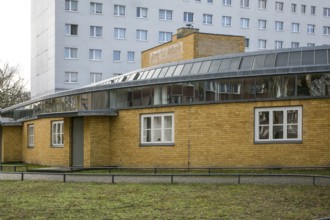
{"x": 15, "y": 35}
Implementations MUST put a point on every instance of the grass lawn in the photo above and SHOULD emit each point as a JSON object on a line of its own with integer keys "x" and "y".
{"x": 53, "y": 200}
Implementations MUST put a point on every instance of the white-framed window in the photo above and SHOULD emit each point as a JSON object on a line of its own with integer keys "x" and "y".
{"x": 141, "y": 12}
{"x": 165, "y": 36}
{"x": 313, "y": 10}
{"x": 70, "y": 53}
{"x": 141, "y": 35}
{"x": 262, "y": 24}
{"x": 96, "y": 8}
{"x": 311, "y": 28}
{"x": 95, "y": 54}
{"x": 310, "y": 44}
{"x": 71, "y": 5}
{"x": 303, "y": 9}
{"x": 210, "y": 1}
{"x": 262, "y": 44}
{"x": 295, "y": 27}
{"x": 294, "y": 44}
{"x": 130, "y": 56}
{"x": 279, "y": 6}
{"x": 116, "y": 55}
{"x": 226, "y": 21}
{"x": 30, "y": 135}
{"x": 226, "y": 2}
{"x": 166, "y": 15}
{"x": 120, "y": 33}
{"x": 57, "y": 133}
{"x": 262, "y": 4}
{"x": 279, "y": 25}
{"x": 71, "y": 29}
{"x": 95, "y": 77}
{"x": 157, "y": 128}
{"x": 326, "y": 30}
{"x": 293, "y": 8}
{"x": 188, "y": 17}
{"x": 71, "y": 77}
{"x": 207, "y": 19}
{"x": 247, "y": 42}
{"x": 96, "y": 31}
{"x": 245, "y": 23}
{"x": 119, "y": 10}
{"x": 326, "y": 12}
{"x": 278, "y": 44}
{"x": 278, "y": 124}
{"x": 245, "y": 3}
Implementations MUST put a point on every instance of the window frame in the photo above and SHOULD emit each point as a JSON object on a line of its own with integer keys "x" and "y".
{"x": 30, "y": 135}
{"x": 271, "y": 124}
{"x": 279, "y": 6}
{"x": 226, "y": 21}
{"x": 69, "y": 53}
{"x": 207, "y": 19}
{"x": 311, "y": 28}
{"x": 140, "y": 11}
{"x": 69, "y": 77}
{"x": 119, "y": 10}
{"x": 168, "y": 15}
{"x": 71, "y": 29}
{"x": 164, "y": 36}
{"x": 130, "y": 55}
{"x": 94, "y": 76}
{"x": 295, "y": 27}
{"x": 93, "y": 8}
{"x": 93, "y": 31}
{"x": 279, "y": 26}
{"x": 70, "y": 7}
{"x": 188, "y": 17}
{"x": 152, "y": 129}
{"x": 115, "y": 54}
{"x": 245, "y": 3}
{"x": 326, "y": 30}
{"x": 245, "y": 23}
{"x": 262, "y": 44}
{"x": 93, "y": 52}
{"x": 326, "y": 12}
{"x": 58, "y": 126}
{"x": 226, "y": 2}
{"x": 262, "y": 4}
{"x": 262, "y": 24}
{"x": 140, "y": 35}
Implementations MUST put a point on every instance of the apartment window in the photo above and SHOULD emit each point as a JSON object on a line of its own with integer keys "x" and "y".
{"x": 130, "y": 56}
{"x": 303, "y": 9}
{"x": 165, "y": 14}
{"x": 188, "y": 17}
{"x": 199, "y": 1}
{"x": 157, "y": 129}
{"x": 95, "y": 8}
{"x": 71, "y": 5}
{"x": 70, "y": 53}
{"x": 278, "y": 44}
{"x": 278, "y": 124}
{"x": 119, "y": 10}
{"x": 165, "y": 36}
{"x": 210, "y": 1}
{"x": 311, "y": 28}
{"x": 71, "y": 29}
{"x": 245, "y": 3}
{"x": 226, "y": 2}
{"x": 57, "y": 133}
{"x": 247, "y": 42}
{"x": 142, "y": 35}
{"x": 95, "y": 54}
{"x": 262, "y": 44}
{"x": 116, "y": 55}
{"x": 262, "y": 4}
{"x": 30, "y": 134}
{"x": 313, "y": 10}
{"x": 295, "y": 27}
{"x": 120, "y": 33}
{"x": 293, "y": 8}
{"x": 71, "y": 77}
{"x": 226, "y": 21}
{"x": 245, "y": 23}
{"x": 310, "y": 44}
{"x": 326, "y": 12}
{"x": 279, "y": 25}
{"x": 326, "y": 30}
{"x": 95, "y": 77}
{"x": 262, "y": 24}
{"x": 96, "y": 31}
{"x": 294, "y": 44}
{"x": 141, "y": 12}
{"x": 279, "y": 6}
{"x": 207, "y": 19}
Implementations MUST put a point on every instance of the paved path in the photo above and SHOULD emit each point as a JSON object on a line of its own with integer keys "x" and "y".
{"x": 167, "y": 178}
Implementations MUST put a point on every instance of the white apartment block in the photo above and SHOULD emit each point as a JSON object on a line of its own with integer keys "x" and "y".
{"x": 78, "y": 42}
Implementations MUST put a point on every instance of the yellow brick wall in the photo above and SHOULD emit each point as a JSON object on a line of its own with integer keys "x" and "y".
{"x": 43, "y": 153}
{"x": 222, "y": 135}
{"x": 11, "y": 144}
{"x": 194, "y": 45}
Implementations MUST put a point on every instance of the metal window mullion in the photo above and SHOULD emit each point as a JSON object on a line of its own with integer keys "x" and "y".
{"x": 271, "y": 124}
{"x": 285, "y": 124}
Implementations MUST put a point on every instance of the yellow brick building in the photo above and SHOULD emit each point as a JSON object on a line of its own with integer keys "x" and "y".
{"x": 261, "y": 109}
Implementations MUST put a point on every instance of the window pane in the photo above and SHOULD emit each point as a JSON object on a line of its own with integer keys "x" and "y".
{"x": 264, "y": 132}
{"x": 277, "y": 117}
{"x": 278, "y": 132}
{"x": 292, "y": 131}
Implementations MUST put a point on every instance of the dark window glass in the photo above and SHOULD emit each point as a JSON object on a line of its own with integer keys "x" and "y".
{"x": 282, "y": 59}
{"x": 295, "y": 58}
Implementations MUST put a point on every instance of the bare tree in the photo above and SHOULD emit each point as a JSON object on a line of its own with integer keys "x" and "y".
{"x": 11, "y": 86}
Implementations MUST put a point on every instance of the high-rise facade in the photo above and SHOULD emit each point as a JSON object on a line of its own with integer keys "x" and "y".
{"x": 78, "y": 42}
